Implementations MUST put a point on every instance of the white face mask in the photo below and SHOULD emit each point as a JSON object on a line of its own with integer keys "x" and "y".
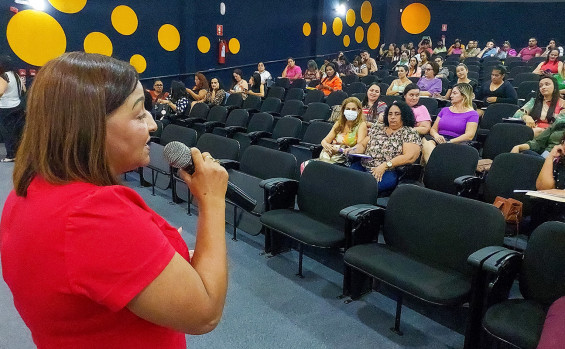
{"x": 350, "y": 115}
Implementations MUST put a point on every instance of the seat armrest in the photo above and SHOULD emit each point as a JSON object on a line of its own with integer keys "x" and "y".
{"x": 275, "y": 114}
{"x": 285, "y": 142}
{"x": 316, "y": 149}
{"x": 501, "y": 269}
{"x": 501, "y": 260}
{"x": 231, "y": 107}
{"x": 209, "y": 125}
{"x": 362, "y": 223}
{"x": 410, "y": 172}
{"x": 231, "y": 130}
{"x": 477, "y": 258}
{"x": 255, "y": 135}
{"x": 294, "y": 116}
{"x": 467, "y": 186}
{"x": 252, "y": 110}
{"x": 229, "y": 164}
{"x": 279, "y": 193}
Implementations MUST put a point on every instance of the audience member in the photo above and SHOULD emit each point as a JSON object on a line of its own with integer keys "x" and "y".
{"x": 292, "y": 71}
{"x": 178, "y": 101}
{"x": 498, "y": 90}
{"x": 551, "y": 46}
{"x": 216, "y": 95}
{"x": 552, "y": 174}
{"x": 12, "y": 115}
{"x": 413, "y": 52}
{"x": 347, "y": 132}
{"x": 461, "y": 71}
{"x": 560, "y": 77}
{"x": 540, "y": 112}
{"x": 425, "y": 46}
{"x": 198, "y": 92}
{"x": 373, "y": 109}
{"x": 455, "y": 124}
{"x": 311, "y": 73}
{"x": 456, "y": 48}
{"x": 387, "y": 55}
{"x": 532, "y": 50}
{"x": 256, "y": 88}
{"x": 157, "y": 92}
{"x": 414, "y": 69}
{"x": 490, "y": 50}
{"x": 239, "y": 85}
{"x": 370, "y": 62}
{"x": 506, "y": 51}
{"x": 390, "y": 144}
{"x": 404, "y": 60}
{"x": 440, "y": 48}
{"x": 472, "y": 50}
{"x": 545, "y": 142}
{"x": 421, "y": 114}
{"x": 552, "y": 64}
{"x": 265, "y": 75}
{"x": 344, "y": 67}
{"x": 443, "y": 72}
{"x": 359, "y": 67}
{"x": 397, "y": 86}
{"x": 331, "y": 82}
{"x": 323, "y": 68}
{"x": 424, "y": 58}
{"x": 397, "y": 53}
{"x": 429, "y": 84}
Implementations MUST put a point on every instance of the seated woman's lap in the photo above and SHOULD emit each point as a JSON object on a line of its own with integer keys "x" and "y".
{"x": 388, "y": 181}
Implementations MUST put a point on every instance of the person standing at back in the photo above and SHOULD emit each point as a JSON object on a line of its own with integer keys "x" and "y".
{"x": 11, "y": 112}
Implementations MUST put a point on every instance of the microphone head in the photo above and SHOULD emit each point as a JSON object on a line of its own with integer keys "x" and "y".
{"x": 178, "y": 154}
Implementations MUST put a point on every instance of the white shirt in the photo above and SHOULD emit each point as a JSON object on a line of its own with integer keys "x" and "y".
{"x": 11, "y": 97}
{"x": 265, "y": 75}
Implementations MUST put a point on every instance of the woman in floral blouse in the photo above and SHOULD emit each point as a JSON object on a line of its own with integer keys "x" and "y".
{"x": 390, "y": 145}
{"x": 216, "y": 94}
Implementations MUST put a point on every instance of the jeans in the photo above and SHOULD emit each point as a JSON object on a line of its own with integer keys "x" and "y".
{"x": 388, "y": 181}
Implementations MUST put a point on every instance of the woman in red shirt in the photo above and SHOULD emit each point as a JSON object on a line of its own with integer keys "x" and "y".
{"x": 89, "y": 264}
{"x": 552, "y": 64}
{"x": 331, "y": 82}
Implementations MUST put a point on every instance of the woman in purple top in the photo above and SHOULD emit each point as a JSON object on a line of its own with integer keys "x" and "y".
{"x": 429, "y": 84}
{"x": 456, "y": 124}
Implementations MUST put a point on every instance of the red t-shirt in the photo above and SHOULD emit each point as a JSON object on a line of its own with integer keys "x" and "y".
{"x": 75, "y": 255}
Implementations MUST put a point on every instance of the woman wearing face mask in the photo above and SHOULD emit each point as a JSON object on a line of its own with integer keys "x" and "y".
{"x": 397, "y": 86}
{"x": 373, "y": 109}
{"x": 552, "y": 64}
{"x": 540, "y": 112}
{"x": 348, "y": 131}
{"x": 461, "y": 71}
{"x": 391, "y": 144}
{"x": 331, "y": 82}
{"x": 421, "y": 113}
{"x": 456, "y": 124}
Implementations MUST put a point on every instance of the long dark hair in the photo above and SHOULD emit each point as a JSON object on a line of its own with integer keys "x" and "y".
{"x": 256, "y": 87}
{"x": 331, "y": 64}
{"x": 178, "y": 91}
{"x": 538, "y": 105}
{"x": 406, "y": 114}
{"x": 6, "y": 65}
{"x": 234, "y": 81}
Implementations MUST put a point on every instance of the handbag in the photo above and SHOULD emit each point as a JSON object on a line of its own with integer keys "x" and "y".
{"x": 511, "y": 209}
{"x": 337, "y": 158}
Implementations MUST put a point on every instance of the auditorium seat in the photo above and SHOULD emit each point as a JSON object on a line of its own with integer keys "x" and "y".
{"x": 216, "y": 117}
{"x": 310, "y": 145}
{"x": 277, "y": 92}
{"x": 260, "y": 124}
{"x": 313, "y": 96}
{"x": 198, "y": 113}
{"x": 356, "y": 87}
{"x": 237, "y": 118}
{"x": 494, "y": 115}
{"x": 286, "y": 131}
{"x": 336, "y": 98}
{"x": 295, "y": 94}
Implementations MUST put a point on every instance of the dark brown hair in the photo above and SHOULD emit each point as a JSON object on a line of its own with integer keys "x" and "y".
{"x": 65, "y": 133}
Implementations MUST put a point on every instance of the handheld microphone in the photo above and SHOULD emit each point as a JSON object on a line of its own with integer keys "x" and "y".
{"x": 178, "y": 155}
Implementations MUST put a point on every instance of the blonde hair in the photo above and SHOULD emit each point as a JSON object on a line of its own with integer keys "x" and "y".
{"x": 466, "y": 91}
{"x": 64, "y": 139}
{"x": 342, "y": 120}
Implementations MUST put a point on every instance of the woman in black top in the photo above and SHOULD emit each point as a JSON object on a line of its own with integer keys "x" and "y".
{"x": 498, "y": 90}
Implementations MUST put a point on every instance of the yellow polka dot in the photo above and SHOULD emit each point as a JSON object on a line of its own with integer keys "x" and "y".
{"x": 373, "y": 35}
{"x": 324, "y": 28}
{"x": 169, "y": 37}
{"x": 359, "y": 34}
{"x": 346, "y": 41}
{"x": 234, "y": 46}
{"x": 306, "y": 29}
{"x": 415, "y": 18}
{"x": 138, "y": 62}
{"x": 97, "y": 42}
{"x": 366, "y": 12}
{"x": 203, "y": 44}
{"x": 68, "y": 6}
{"x": 124, "y": 20}
{"x": 337, "y": 26}
{"x": 35, "y": 37}
{"x": 350, "y": 17}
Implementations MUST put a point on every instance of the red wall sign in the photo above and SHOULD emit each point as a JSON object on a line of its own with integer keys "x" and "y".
{"x": 444, "y": 27}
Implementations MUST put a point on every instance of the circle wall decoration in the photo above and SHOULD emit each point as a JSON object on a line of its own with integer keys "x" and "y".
{"x": 222, "y": 8}
{"x": 359, "y": 34}
{"x": 97, "y": 42}
{"x": 350, "y": 18}
{"x": 35, "y": 37}
{"x": 373, "y": 35}
{"x": 138, "y": 62}
{"x": 337, "y": 26}
{"x": 346, "y": 40}
{"x": 415, "y": 18}
{"x": 124, "y": 20}
{"x": 234, "y": 46}
{"x": 306, "y": 29}
{"x": 203, "y": 44}
{"x": 324, "y": 28}
{"x": 68, "y": 6}
{"x": 169, "y": 37}
{"x": 366, "y": 12}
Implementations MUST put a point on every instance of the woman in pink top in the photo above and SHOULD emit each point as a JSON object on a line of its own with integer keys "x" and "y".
{"x": 292, "y": 71}
{"x": 421, "y": 113}
{"x": 552, "y": 64}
